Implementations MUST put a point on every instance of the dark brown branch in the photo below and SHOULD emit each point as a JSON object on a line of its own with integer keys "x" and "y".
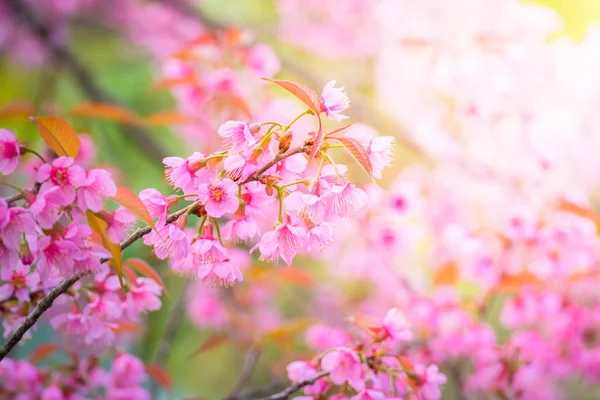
{"x": 84, "y": 79}
{"x": 47, "y": 301}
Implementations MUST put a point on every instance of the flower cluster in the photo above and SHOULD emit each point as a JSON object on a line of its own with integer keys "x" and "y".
{"x": 375, "y": 369}
{"x": 259, "y": 178}
{"x": 45, "y": 237}
{"x": 82, "y": 378}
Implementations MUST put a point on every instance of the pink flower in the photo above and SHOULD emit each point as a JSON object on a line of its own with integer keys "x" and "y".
{"x": 170, "y": 241}
{"x": 238, "y": 136}
{"x": 119, "y": 222}
{"x": 369, "y": 394}
{"x": 127, "y": 371}
{"x": 263, "y": 61}
{"x": 55, "y": 256}
{"x": 319, "y": 236}
{"x": 19, "y": 282}
{"x": 347, "y": 199}
{"x": 240, "y": 228}
{"x": 256, "y": 199}
{"x": 344, "y": 365}
{"x": 87, "y": 259}
{"x": 98, "y": 185}
{"x": 157, "y": 204}
{"x": 299, "y": 371}
{"x": 220, "y": 273}
{"x": 285, "y": 241}
{"x": 219, "y": 197}
{"x": 334, "y": 101}
{"x": 396, "y": 327}
{"x": 63, "y": 174}
{"x": 207, "y": 249}
{"x": 239, "y": 167}
{"x": 321, "y": 338}
{"x": 143, "y": 295}
{"x": 308, "y": 205}
{"x": 46, "y": 207}
{"x": 19, "y": 222}
{"x": 205, "y": 309}
{"x": 381, "y": 151}
{"x": 9, "y": 152}
{"x": 181, "y": 173}
{"x": 430, "y": 380}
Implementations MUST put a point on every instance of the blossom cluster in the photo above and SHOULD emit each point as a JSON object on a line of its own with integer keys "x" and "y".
{"x": 376, "y": 368}
{"x": 260, "y": 183}
{"x": 45, "y": 237}
{"x": 82, "y": 378}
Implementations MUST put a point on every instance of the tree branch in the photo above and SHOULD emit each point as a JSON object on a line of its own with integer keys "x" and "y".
{"x": 80, "y": 73}
{"x": 47, "y": 301}
{"x": 290, "y": 390}
{"x": 250, "y": 360}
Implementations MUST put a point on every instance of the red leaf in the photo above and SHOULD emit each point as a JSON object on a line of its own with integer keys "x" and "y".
{"x": 145, "y": 269}
{"x": 338, "y": 130}
{"x": 367, "y": 324}
{"x": 126, "y": 327}
{"x": 358, "y": 152}
{"x": 168, "y": 83}
{"x": 107, "y": 112}
{"x": 212, "y": 342}
{"x": 289, "y": 275}
{"x": 16, "y": 110}
{"x": 285, "y": 333}
{"x": 160, "y": 376}
{"x": 59, "y": 135}
{"x": 567, "y": 206}
{"x": 510, "y": 283}
{"x": 446, "y": 275}
{"x": 132, "y": 202}
{"x": 302, "y": 93}
{"x": 166, "y": 118}
{"x": 42, "y": 352}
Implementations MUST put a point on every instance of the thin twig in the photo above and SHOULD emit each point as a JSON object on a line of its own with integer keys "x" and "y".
{"x": 47, "y": 301}
{"x": 80, "y": 73}
{"x": 250, "y": 360}
{"x": 170, "y": 332}
{"x": 290, "y": 390}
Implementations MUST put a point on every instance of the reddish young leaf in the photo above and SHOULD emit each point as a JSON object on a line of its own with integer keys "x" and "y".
{"x": 126, "y": 327}
{"x": 59, "y": 135}
{"x": 367, "y": 324}
{"x": 99, "y": 226}
{"x": 213, "y": 341}
{"x": 288, "y": 275}
{"x": 302, "y": 93}
{"x": 567, "y": 206}
{"x": 16, "y": 110}
{"x": 166, "y": 118}
{"x": 160, "y": 376}
{"x": 284, "y": 333}
{"x": 42, "y": 352}
{"x": 106, "y": 112}
{"x": 358, "y": 152}
{"x": 168, "y": 83}
{"x": 132, "y": 202}
{"x": 448, "y": 274}
{"x": 510, "y": 283}
{"x": 145, "y": 269}
{"x": 129, "y": 273}
{"x": 338, "y": 130}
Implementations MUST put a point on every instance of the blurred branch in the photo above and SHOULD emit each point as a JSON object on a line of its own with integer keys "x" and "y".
{"x": 82, "y": 76}
{"x": 250, "y": 360}
{"x": 170, "y": 332}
